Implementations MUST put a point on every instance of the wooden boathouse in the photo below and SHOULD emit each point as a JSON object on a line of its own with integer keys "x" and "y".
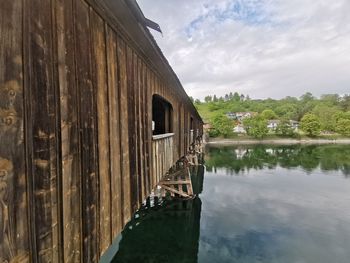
{"x": 91, "y": 117}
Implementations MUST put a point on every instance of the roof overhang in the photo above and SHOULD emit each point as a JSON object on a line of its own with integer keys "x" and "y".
{"x": 127, "y": 16}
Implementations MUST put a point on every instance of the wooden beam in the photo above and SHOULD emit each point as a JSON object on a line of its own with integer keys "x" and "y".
{"x": 175, "y": 182}
{"x": 175, "y": 191}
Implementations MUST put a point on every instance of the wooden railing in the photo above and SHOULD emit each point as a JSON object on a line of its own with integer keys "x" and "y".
{"x": 162, "y": 155}
{"x": 191, "y": 137}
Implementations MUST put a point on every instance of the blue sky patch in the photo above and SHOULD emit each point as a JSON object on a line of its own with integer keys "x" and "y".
{"x": 249, "y": 12}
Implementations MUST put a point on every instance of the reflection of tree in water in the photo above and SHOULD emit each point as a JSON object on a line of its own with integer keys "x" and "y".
{"x": 163, "y": 232}
{"x": 309, "y": 157}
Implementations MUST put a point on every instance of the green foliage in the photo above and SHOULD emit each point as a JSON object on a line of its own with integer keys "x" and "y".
{"x": 288, "y": 111}
{"x": 310, "y": 124}
{"x": 330, "y": 108}
{"x": 214, "y": 133}
{"x": 197, "y": 101}
{"x": 341, "y": 115}
{"x": 306, "y": 107}
{"x": 330, "y": 99}
{"x": 345, "y": 102}
{"x": 268, "y": 115}
{"x": 222, "y": 126}
{"x": 284, "y": 129}
{"x": 208, "y": 99}
{"x": 214, "y": 106}
{"x": 236, "y": 97}
{"x": 343, "y": 127}
{"x": 307, "y": 97}
{"x": 256, "y": 127}
{"x": 325, "y": 113}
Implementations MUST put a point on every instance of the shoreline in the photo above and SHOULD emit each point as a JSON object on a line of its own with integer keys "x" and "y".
{"x": 282, "y": 141}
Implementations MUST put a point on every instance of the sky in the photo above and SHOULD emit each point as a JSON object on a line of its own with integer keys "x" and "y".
{"x": 263, "y": 48}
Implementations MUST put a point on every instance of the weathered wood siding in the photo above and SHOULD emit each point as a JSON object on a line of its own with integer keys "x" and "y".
{"x": 14, "y": 220}
{"x": 76, "y": 156}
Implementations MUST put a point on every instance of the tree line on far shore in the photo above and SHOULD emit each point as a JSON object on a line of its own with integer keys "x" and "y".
{"x": 328, "y": 114}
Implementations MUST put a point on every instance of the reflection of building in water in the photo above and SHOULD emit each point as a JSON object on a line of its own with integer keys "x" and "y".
{"x": 165, "y": 232}
{"x": 240, "y": 153}
{"x": 270, "y": 151}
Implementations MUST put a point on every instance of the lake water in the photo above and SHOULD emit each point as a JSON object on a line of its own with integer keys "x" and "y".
{"x": 285, "y": 204}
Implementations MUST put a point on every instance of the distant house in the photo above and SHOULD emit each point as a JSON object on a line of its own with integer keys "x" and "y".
{"x": 294, "y": 125}
{"x": 272, "y": 124}
{"x": 240, "y": 116}
{"x": 231, "y": 115}
{"x": 207, "y": 126}
{"x": 243, "y": 115}
{"x": 239, "y": 129}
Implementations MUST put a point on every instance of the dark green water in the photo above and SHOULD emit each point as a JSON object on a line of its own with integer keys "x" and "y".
{"x": 270, "y": 204}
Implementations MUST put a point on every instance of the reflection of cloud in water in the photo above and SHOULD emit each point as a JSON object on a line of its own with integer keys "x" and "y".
{"x": 249, "y": 246}
{"x": 275, "y": 216}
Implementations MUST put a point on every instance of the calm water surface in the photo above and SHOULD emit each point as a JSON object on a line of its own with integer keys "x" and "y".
{"x": 286, "y": 204}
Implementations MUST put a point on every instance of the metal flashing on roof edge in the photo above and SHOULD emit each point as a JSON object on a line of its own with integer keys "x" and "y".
{"x": 151, "y": 24}
{"x": 141, "y": 17}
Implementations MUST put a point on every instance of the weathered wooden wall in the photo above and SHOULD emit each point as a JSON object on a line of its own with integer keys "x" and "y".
{"x": 75, "y": 129}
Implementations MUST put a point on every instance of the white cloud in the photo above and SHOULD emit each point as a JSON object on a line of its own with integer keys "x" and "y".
{"x": 264, "y": 48}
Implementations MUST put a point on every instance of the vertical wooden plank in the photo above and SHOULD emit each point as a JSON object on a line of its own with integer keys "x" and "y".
{"x": 88, "y": 136}
{"x": 163, "y": 158}
{"x": 145, "y": 134}
{"x": 69, "y": 132}
{"x": 132, "y": 129}
{"x": 58, "y": 141}
{"x": 152, "y": 164}
{"x": 180, "y": 130}
{"x": 148, "y": 130}
{"x": 155, "y": 176}
{"x": 100, "y": 83}
{"x": 185, "y": 131}
{"x": 188, "y": 130}
{"x": 41, "y": 131}
{"x": 155, "y": 153}
{"x": 176, "y": 131}
{"x": 185, "y": 127}
{"x": 140, "y": 114}
{"x": 124, "y": 129}
{"x": 157, "y": 161}
{"x": 142, "y": 131}
{"x": 150, "y": 118}
{"x": 14, "y": 241}
{"x": 136, "y": 186}
{"x": 115, "y": 136}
